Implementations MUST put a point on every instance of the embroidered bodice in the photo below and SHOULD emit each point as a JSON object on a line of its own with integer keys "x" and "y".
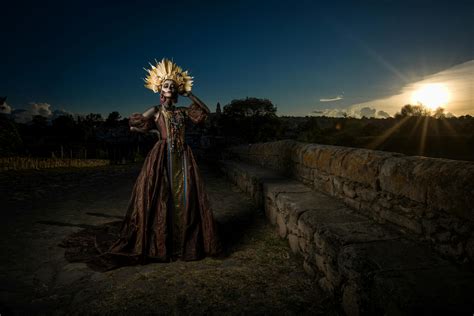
{"x": 174, "y": 125}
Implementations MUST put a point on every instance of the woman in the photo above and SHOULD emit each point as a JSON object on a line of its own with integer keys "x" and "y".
{"x": 169, "y": 215}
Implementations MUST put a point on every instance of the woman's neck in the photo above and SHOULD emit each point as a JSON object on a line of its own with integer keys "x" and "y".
{"x": 168, "y": 104}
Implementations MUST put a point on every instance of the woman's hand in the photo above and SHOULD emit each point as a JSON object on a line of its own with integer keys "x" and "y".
{"x": 136, "y": 129}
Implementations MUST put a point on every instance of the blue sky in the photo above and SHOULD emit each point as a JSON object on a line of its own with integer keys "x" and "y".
{"x": 84, "y": 57}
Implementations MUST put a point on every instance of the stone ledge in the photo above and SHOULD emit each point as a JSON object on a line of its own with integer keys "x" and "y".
{"x": 427, "y": 197}
{"x": 367, "y": 265}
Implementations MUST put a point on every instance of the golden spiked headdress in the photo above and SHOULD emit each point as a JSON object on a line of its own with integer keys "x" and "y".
{"x": 164, "y": 70}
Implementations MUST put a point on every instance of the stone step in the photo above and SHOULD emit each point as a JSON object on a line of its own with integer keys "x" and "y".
{"x": 371, "y": 267}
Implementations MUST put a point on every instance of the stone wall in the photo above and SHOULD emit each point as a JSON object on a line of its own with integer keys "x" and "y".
{"x": 431, "y": 199}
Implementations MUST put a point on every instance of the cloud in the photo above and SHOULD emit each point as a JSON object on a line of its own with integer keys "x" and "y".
{"x": 330, "y": 112}
{"x": 352, "y": 112}
{"x": 337, "y": 98}
{"x": 367, "y": 112}
{"x": 26, "y": 115}
{"x": 57, "y": 113}
{"x": 43, "y": 109}
{"x": 458, "y": 80}
{"x": 382, "y": 114}
{"x": 21, "y": 115}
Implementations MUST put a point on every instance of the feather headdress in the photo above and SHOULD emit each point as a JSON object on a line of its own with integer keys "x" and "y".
{"x": 164, "y": 70}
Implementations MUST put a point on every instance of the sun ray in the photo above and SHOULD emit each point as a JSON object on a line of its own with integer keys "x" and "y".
{"x": 382, "y": 138}
{"x": 449, "y": 127}
{"x": 419, "y": 119}
{"x": 424, "y": 130}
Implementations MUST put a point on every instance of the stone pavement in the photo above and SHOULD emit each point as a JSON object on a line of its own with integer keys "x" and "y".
{"x": 50, "y": 219}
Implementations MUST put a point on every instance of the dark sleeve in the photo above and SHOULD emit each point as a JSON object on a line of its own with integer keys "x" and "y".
{"x": 139, "y": 121}
{"x": 196, "y": 113}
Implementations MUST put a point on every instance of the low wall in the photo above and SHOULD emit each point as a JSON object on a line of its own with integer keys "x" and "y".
{"x": 431, "y": 199}
{"x": 368, "y": 267}
{"x": 19, "y": 163}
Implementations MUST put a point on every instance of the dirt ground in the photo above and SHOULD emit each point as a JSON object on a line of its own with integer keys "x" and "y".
{"x": 50, "y": 219}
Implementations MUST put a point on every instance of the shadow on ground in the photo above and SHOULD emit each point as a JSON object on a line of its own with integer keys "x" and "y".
{"x": 52, "y": 265}
{"x": 86, "y": 245}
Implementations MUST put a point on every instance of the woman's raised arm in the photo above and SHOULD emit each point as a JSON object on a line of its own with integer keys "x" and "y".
{"x": 151, "y": 111}
{"x": 197, "y": 111}
{"x": 143, "y": 122}
{"x": 196, "y": 100}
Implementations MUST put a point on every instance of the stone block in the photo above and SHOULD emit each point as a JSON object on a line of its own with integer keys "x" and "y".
{"x": 363, "y": 166}
{"x": 294, "y": 243}
{"x": 412, "y": 224}
{"x": 352, "y": 203}
{"x": 353, "y": 300}
{"x": 323, "y": 183}
{"x": 359, "y": 260}
{"x": 349, "y": 190}
{"x": 316, "y": 219}
{"x": 309, "y": 269}
{"x": 437, "y": 291}
{"x": 441, "y": 184}
{"x": 326, "y": 285}
{"x": 401, "y": 176}
{"x": 366, "y": 193}
{"x": 303, "y": 244}
{"x": 330, "y": 158}
{"x": 281, "y": 224}
{"x": 293, "y": 204}
{"x": 272, "y": 188}
{"x": 309, "y": 155}
{"x": 337, "y": 184}
{"x": 329, "y": 268}
{"x": 452, "y": 250}
{"x": 332, "y": 237}
{"x": 270, "y": 211}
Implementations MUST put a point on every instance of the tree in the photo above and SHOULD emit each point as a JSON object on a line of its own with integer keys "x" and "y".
{"x": 94, "y": 117}
{"x": 10, "y": 139}
{"x": 310, "y": 131}
{"x": 250, "y": 107}
{"x": 113, "y": 118}
{"x": 413, "y": 110}
{"x": 251, "y": 120}
{"x": 39, "y": 121}
{"x": 64, "y": 123}
{"x": 439, "y": 113}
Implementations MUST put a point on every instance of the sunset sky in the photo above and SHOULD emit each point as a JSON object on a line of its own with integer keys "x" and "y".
{"x": 358, "y": 57}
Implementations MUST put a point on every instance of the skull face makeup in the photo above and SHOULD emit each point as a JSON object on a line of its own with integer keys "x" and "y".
{"x": 169, "y": 89}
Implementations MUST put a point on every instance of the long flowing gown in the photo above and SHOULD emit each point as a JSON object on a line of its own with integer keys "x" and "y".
{"x": 169, "y": 214}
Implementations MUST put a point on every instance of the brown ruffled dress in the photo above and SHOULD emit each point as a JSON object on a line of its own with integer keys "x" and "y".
{"x": 169, "y": 214}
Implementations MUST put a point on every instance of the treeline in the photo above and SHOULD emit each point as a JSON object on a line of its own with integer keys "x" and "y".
{"x": 412, "y": 135}
{"x": 413, "y": 131}
{"x": 88, "y": 137}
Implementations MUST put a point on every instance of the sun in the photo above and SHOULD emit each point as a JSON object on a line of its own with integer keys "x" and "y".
{"x": 432, "y": 95}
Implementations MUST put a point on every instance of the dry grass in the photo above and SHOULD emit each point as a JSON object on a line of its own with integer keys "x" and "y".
{"x": 20, "y": 163}
{"x": 260, "y": 276}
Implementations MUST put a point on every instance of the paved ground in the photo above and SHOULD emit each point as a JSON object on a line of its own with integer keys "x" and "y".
{"x": 50, "y": 219}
